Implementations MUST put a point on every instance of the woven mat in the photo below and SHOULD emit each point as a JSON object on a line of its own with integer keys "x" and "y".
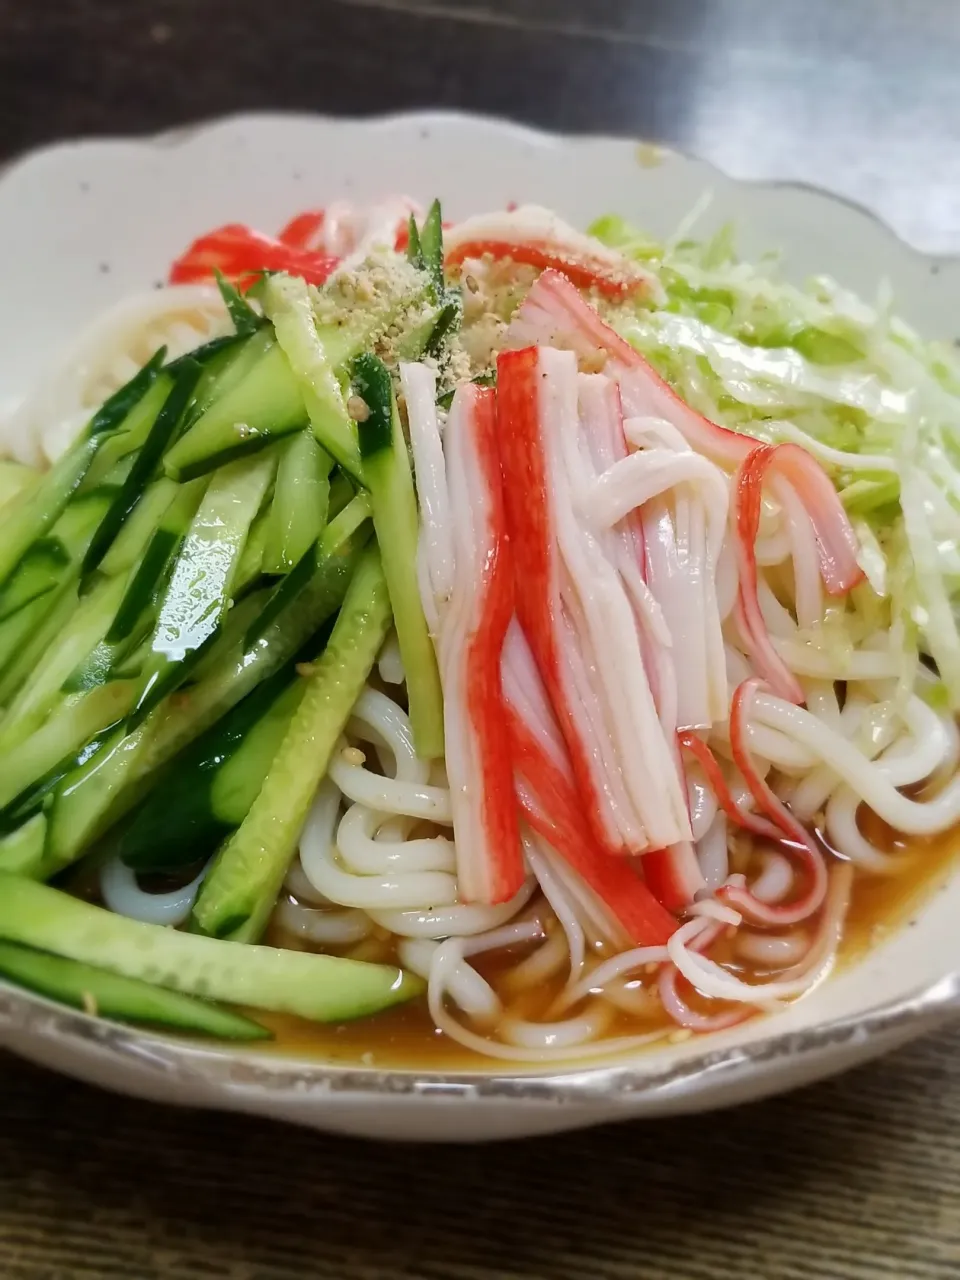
{"x": 857, "y": 1178}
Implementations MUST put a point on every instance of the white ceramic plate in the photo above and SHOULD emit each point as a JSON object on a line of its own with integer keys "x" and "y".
{"x": 84, "y": 223}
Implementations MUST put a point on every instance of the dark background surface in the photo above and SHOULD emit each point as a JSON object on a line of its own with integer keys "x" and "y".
{"x": 858, "y": 1178}
{"x": 861, "y": 96}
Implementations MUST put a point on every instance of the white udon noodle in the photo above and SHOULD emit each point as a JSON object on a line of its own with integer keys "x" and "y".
{"x": 365, "y": 868}
{"x": 361, "y": 866}
{"x": 106, "y": 354}
{"x": 367, "y": 864}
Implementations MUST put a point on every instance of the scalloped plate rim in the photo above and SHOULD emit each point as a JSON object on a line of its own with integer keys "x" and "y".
{"x": 182, "y": 134}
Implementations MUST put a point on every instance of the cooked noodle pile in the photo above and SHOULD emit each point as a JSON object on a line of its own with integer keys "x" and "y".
{"x": 696, "y": 657}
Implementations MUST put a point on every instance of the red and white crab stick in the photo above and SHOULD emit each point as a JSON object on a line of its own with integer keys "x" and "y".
{"x": 577, "y": 617}
{"x": 467, "y": 577}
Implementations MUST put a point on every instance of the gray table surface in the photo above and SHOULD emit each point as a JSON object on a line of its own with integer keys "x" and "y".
{"x": 857, "y": 1178}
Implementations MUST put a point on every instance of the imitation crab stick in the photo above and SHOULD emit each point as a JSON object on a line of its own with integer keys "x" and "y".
{"x": 799, "y": 841}
{"x": 577, "y": 616}
{"x": 472, "y": 627}
{"x": 535, "y": 237}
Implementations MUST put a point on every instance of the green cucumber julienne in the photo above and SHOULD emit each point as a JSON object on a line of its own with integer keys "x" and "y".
{"x": 387, "y": 476}
{"x": 338, "y": 534}
{"x": 54, "y": 559}
{"x": 166, "y": 537}
{"x": 116, "y": 454}
{"x": 199, "y": 592}
{"x": 136, "y": 533}
{"x": 250, "y": 566}
{"x": 108, "y": 782}
{"x": 145, "y": 462}
{"x": 425, "y": 250}
{"x": 110, "y": 995}
{"x": 230, "y": 359}
{"x": 22, "y": 850}
{"x": 241, "y": 887}
{"x": 26, "y": 636}
{"x": 286, "y": 300}
{"x": 84, "y": 630}
{"x": 245, "y": 319}
{"x": 27, "y": 521}
{"x": 298, "y": 511}
{"x": 23, "y": 522}
{"x": 16, "y": 480}
{"x": 262, "y": 406}
{"x": 76, "y": 721}
{"x": 323, "y": 988}
{"x": 215, "y": 781}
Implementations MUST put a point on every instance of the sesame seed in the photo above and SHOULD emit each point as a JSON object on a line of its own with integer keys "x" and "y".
{"x": 358, "y": 409}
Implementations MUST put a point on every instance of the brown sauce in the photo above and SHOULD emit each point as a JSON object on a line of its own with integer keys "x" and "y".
{"x": 405, "y": 1036}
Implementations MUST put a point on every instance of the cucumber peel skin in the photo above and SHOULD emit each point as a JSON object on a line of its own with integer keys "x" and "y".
{"x": 111, "y": 780}
{"x": 157, "y": 553}
{"x": 110, "y": 995}
{"x": 29, "y": 520}
{"x": 145, "y": 462}
{"x": 40, "y": 695}
{"x": 245, "y": 319}
{"x": 136, "y": 533}
{"x": 240, "y": 889}
{"x": 215, "y": 781}
{"x": 321, "y": 988}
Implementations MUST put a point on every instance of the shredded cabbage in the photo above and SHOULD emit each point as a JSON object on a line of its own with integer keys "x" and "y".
{"x": 877, "y": 405}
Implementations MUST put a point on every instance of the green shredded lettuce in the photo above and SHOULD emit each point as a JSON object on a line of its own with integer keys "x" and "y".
{"x": 876, "y": 404}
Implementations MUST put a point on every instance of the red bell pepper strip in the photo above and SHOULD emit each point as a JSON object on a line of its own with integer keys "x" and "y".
{"x": 538, "y": 238}
{"x": 302, "y": 230}
{"x": 241, "y": 253}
